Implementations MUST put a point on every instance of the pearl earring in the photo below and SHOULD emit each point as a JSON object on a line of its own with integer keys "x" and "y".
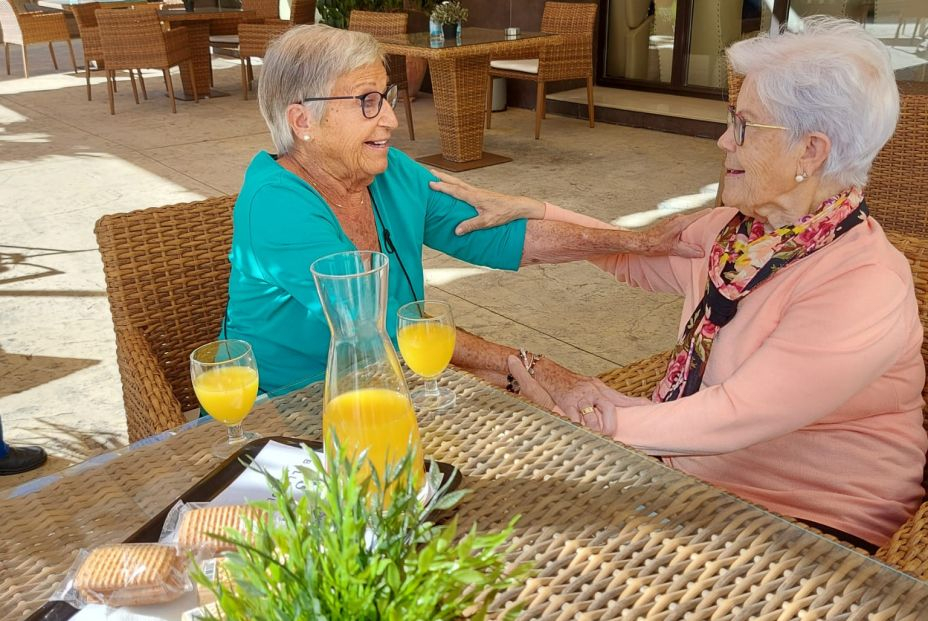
{"x": 800, "y": 177}
{"x": 306, "y": 137}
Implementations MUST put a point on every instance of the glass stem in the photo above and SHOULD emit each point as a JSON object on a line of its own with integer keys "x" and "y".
{"x": 236, "y": 434}
{"x": 431, "y": 387}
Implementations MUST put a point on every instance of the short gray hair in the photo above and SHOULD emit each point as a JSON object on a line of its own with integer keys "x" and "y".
{"x": 832, "y": 77}
{"x": 304, "y": 62}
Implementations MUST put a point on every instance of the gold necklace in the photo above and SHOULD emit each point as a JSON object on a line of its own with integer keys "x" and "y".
{"x": 308, "y": 178}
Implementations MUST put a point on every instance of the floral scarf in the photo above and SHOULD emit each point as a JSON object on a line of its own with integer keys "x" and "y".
{"x": 743, "y": 256}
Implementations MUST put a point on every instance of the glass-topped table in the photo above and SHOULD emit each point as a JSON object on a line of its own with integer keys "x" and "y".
{"x": 612, "y": 533}
{"x": 460, "y": 73}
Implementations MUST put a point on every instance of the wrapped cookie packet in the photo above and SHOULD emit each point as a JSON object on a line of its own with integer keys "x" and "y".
{"x": 192, "y": 527}
{"x": 125, "y": 574}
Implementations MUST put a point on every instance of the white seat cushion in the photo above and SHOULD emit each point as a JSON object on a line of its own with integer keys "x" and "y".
{"x": 528, "y": 65}
{"x": 224, "y": 39}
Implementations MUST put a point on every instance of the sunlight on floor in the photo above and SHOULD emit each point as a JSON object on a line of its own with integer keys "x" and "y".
{"x": 704, "y": 198}
{"x": 437, "y": 277}
{"x": 27, "y": 137}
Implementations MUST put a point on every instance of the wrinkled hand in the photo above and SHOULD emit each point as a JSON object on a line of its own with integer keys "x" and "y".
{"x": 572, "y": 395}
{"x": 570, "y": 392}
{"x": 663, "y": 238}
{"x": 493, "y": 208}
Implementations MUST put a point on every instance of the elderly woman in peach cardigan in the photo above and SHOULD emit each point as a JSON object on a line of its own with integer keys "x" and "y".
{"x": 796, "y": 381}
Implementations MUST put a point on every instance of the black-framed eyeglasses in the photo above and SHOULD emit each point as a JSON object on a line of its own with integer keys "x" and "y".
{"x": 371, "y": 103}
{"x": 737, "y": 122}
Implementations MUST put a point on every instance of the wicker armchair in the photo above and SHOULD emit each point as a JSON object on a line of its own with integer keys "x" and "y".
{"x": 254, "y": 38}
{"x": 133, "y": 38}
{"x": 571, "y": 59}
{"x": 223, "y": 34}
{"x": 86, "y": 18}
{"x": 167, "y": 274}
{"x": 23, "y": 28}
{"x": 382, "y": 24}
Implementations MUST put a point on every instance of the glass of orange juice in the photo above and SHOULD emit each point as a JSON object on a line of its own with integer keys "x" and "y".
{"x": 225, "y": 380}
{"x": 425, "y": 333}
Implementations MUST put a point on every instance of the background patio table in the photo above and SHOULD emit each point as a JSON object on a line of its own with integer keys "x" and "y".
{"x": 459, "y": 70}
{"x": 611, "y": 533}
{"x": 198, "y": 23}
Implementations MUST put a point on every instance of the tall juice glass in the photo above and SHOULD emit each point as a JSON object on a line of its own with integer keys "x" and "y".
{"x": 225, "y": 379}
{"x": 366, "y": 403}
{"x": 425, "y": 333}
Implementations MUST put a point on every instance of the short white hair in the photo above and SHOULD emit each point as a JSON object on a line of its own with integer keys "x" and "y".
{"x": 831, "y": 77}
{"x": 304, "y": 62}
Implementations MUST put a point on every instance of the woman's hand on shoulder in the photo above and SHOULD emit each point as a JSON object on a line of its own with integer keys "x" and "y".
{"x": 493, "y": 208}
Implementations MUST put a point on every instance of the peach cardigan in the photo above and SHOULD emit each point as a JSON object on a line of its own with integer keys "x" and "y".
{"x": 811, "y": 402}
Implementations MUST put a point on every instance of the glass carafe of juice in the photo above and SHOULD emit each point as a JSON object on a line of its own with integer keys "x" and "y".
{"x": 366, "y": 403}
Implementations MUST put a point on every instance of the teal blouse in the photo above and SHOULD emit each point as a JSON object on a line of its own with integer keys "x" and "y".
{"x": 282, "y": 224}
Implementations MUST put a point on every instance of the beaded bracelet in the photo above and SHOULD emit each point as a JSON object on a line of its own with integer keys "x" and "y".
{"x": 529, "y": 360}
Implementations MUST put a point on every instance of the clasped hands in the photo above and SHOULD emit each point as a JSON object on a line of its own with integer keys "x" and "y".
{"x": 584, "y": 400}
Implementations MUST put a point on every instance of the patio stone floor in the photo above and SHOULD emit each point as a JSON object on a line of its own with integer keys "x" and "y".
{"x": 64, "y": 162}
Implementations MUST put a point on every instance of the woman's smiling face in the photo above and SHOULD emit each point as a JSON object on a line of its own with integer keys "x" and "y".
{"x": 351, "y": 145}
{"x": 761, "y": 173}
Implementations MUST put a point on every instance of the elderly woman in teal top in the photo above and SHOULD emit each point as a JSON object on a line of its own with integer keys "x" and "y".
{"x": 336, "y": 185}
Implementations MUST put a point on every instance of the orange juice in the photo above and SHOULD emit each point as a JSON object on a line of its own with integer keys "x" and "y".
{"x": 378, "y": 420}
{"x": 227, "y": 393}
{"x": 426, "y": 347}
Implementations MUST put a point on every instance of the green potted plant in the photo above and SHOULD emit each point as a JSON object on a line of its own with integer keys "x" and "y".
{"x": 450, "y": 14}
{"x": 341, "y": 551}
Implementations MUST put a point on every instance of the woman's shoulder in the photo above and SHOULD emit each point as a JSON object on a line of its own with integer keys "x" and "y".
{"x": 270, "y": 189}
{"x": 868, "y": 245}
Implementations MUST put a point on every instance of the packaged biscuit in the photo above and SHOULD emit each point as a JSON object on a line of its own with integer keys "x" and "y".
{"x": 190, "y": 527}
{"x": 126, "y": 574}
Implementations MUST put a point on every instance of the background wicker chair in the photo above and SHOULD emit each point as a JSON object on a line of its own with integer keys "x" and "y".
{"x": 223, "y": 35}
{"x": 167, "y": 276}
{"x": 571, "y": 59}
{"x": 382, "y": 24}
{"x": 255, "y": 37}
{"x": 86, "y": 18}
{"x": 24, "y": 28}
{"x": 133, "y": 38}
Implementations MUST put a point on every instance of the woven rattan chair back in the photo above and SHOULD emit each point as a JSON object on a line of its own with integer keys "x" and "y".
{"x": 384, "y": 24}
{"x": 303, "y": 12}
{"x": 132, "y": 38}
{"x": 167, "y": 275}
{"x": 573, "y": 58}
{"x": 897, "y": 192}
{"x": 85, "y": 16}
{"x": 264, "y": 9}
{"x": 378, "y": 24}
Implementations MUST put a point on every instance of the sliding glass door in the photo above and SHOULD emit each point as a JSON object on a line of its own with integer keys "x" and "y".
{"x": 678, "y": 46}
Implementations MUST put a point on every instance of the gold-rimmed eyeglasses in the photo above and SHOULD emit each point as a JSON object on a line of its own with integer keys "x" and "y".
{"x": 371, "y": 103}
{"x": 737, "y": 122}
